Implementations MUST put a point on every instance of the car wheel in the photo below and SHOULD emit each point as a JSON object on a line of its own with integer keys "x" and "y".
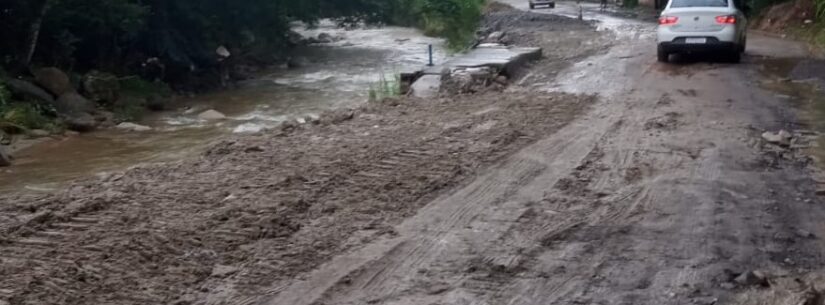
{"x": 662, "y": 55}
{"x": 735, "y": 56}
{"x": 744, "y": 45}
{"x": 552, "y": 5}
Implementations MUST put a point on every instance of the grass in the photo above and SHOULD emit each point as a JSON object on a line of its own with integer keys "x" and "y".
{"x": 19, "y": 117}
{"x": 138, "y": 87}
{"x": 454, "y": 20}
{"x": 385, "y": 88}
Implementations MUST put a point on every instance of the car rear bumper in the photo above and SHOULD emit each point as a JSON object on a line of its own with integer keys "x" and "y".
{"x": 712, "y": 45}
{"x": 667, "y": 34}
{"x": 541, "y": 2}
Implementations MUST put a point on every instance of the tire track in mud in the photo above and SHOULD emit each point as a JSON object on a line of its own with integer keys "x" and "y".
{"x": 443, "y": 253}
{"x": 236, "y": 226}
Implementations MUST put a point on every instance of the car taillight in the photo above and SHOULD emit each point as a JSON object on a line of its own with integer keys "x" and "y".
{"x": 726, "y": 19}
{"x": 668, "y": 20}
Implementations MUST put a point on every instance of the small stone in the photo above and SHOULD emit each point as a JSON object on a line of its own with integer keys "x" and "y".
{"x": 727, "y": 286}
{"x": 501, "y": 79}
{"x": 782, "y": 138}
{"x": 133, "y": 127}
{"x": 211, "y": 114}
{"x": 752, "y": 278}
{"x": 805, "y": 234}
{"x": 438, "y": 289}
{"x": 223, "y": 270}
{"x": 38, "y": 133}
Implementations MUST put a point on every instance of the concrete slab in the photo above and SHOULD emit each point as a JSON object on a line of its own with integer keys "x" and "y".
{"x": 427, "y": 86}
{"x": 499, "y": 57}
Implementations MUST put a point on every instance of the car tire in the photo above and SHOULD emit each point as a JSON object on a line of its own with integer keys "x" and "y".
{"x": 744, "y": 45}
{"x": 662, "y": 56}
{"x": 532, "y": 6}
{"x": 551, "y": 5}
{"x": 735, "y": 56}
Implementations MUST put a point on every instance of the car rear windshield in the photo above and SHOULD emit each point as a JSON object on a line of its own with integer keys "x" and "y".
{"x": 699, "y": 3}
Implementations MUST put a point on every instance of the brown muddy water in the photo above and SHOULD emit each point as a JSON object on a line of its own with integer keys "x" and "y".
{"x": 803, "y": 92}
{"x": 337, "y": 75}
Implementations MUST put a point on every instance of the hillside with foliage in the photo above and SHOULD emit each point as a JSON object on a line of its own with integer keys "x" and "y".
{"x": 175, "y": 42}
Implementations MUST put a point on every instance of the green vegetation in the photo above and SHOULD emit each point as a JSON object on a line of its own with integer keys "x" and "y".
{"x": 172, "y": 40}
{"x": 820, "y": 8}
{"x": 630, "y": 3}
{"x": 141, "y": 88}
{"x": 18, "y": 117}
{"x": 455, "y": 20}
{"x": 385, "y": 88}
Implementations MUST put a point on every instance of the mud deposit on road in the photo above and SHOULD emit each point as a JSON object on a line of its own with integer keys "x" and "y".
{"x": 256, "y": 210}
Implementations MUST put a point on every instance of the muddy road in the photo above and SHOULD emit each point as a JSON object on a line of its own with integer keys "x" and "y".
{"x": 598, "y": 177}
{"x": 663, "y": 193}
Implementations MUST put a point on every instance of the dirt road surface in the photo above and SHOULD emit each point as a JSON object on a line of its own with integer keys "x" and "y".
{"x": 598, "y": 177}
{"x": 661, "y": 194}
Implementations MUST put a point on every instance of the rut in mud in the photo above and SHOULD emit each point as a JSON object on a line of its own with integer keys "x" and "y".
{"x": 256, "y": 210}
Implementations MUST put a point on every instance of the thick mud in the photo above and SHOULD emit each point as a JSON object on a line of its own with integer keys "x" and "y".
{"x": 650, "y": 184}
{"x": 256, "y": 211}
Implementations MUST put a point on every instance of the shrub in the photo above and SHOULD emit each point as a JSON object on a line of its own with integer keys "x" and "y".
{"x": 385, "y": 88}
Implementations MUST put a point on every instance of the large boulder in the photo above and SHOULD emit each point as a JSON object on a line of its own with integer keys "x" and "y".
{"x": 297, "y": 62}
{"x": 5, "y": 159}
{"x": 53, "y": 80}
{"x": 128, "y": 126}
{"x": 81, "y": 122}
{"x": 72, "y": 103}
{"x": 211, "y": 115}
{"x": 101, "y": 87}
{"x": 156, "y": 103}
{"x": 29, "y": 91}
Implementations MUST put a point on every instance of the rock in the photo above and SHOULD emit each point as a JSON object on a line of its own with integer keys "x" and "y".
{"x": 133, "y": 127}
{"x": 5, "y": 159}
{"x": 211, "y": 114}
{"x": 38, "y": 133}
{"x": 80, "y": 122}
{"x": 727, "y": 286}
{"x": 223, "y": 270}
{"x": 53, "y": 80}
{"x": 297, "y": 62}
{"x": 70, "y": 133}
{"x": 101, "y": 87}
{"x": 325, "y": 38}
{"x": 501, "y": 79}
{"x": 289, "y": 125}
{"x": 752, "y": 278}
{"x": 223, "y": 52}
{"x": 338, "y": 116}
{"x": 495, "y": 36}
{"x": 30, "y": 91}
{"x": 156, "y": 103}
{"x": 73, "y": 104}
{"x": 294, "y": 38}
{"x": 805, "y": 234}
{"x": 782, "y": 138}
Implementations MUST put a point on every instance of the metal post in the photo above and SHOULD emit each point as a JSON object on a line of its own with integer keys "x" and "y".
{"x": 431, "y": 56}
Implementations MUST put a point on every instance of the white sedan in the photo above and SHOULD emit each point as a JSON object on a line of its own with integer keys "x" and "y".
{"x": 690, "y": 26}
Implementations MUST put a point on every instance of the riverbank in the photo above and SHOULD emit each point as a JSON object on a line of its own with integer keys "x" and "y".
{"x": 255, "y": 211}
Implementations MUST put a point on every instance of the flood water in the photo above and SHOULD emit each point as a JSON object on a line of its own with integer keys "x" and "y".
{"x": 337, "y": 75}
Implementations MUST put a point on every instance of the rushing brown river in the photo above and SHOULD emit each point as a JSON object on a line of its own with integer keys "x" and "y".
{"x": 337, "y": 75}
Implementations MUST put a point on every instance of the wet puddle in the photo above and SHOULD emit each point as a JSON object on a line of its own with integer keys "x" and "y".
{"x": 336, "y": 75}
{"x": 801, "y": 92}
